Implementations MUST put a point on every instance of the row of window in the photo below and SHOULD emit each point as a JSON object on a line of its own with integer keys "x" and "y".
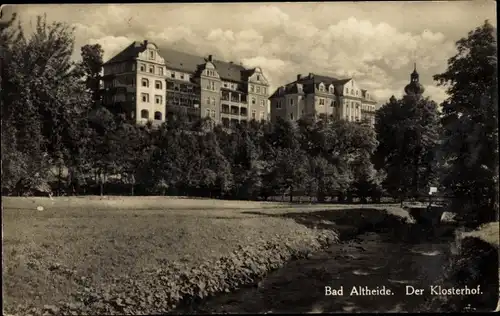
{"x": 210, "y": 85}
{"x": 257, "y": 89}
{"x": 322, "y": 89}
{"x": 151, "y": 69}
{"x": 145, "y": 115}
{"x": 145, "y": 98}
{"x": 145, "y": 83}
{"x": 232, "y": 86}
{"x": 211, "y": 113}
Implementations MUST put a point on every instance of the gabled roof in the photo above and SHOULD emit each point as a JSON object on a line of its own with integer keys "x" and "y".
{"x": 129, "y": 53}
{"x": 312, "y": 81}
{"x": 190, "y": 63}
{"x": 185, "y": 62}
{"x": 291, "y": 88}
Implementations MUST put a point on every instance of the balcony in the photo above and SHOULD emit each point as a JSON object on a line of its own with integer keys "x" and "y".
{"x": 233, "y": 97}
{"x": 183, "y": 109}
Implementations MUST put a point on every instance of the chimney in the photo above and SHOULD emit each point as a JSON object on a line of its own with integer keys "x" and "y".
{"x": 311, "y": 75}
{"x": 145, "y": 43}
{"x": 299, "y": 76}
{"x": 210, "y": 58}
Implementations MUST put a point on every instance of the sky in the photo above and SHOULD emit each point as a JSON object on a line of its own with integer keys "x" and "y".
{"x": 376, "y": 43}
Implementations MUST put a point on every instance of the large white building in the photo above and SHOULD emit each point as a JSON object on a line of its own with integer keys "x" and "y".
{"x": 323, "y": 96}
{"x": 147, "y": 84}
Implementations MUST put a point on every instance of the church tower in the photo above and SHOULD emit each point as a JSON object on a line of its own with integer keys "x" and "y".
{"x": 414, "y": 88}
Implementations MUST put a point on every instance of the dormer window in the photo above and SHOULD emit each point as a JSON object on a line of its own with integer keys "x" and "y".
{"x": 331, "y": 89}
{"x": 258, "y": 77}
{"x": 321, "y": 87}
{"x": 151, "y": 54}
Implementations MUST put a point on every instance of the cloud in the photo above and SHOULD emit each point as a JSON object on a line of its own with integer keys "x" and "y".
{"x": 376, "y": 43}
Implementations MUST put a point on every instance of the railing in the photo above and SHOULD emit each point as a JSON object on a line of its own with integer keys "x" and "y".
{"x": 183, "y": 109}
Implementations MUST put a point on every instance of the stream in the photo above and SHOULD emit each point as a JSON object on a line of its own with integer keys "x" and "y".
{"x": 389, "y": 259}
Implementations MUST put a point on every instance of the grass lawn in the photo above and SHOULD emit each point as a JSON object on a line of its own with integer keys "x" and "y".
{"x": 88, "y": 242}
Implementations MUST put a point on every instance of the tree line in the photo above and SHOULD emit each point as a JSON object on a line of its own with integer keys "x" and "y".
{"x": 56, "y": 133}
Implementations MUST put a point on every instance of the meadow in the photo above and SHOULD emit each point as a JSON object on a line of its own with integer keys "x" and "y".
{"x": 85, "y": 244}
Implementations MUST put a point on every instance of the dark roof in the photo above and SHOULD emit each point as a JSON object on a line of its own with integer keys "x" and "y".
{"x": 291, "y": 88}
{"x": 307, "y": 84}
{"x": 190, "y": 63}
{"x": 129, "y": 53}
{"x": 181, "y": 61}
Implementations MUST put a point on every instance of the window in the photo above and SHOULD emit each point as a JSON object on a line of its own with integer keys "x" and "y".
{"x": 321, "y": 101}
{"x": 258, "y": 89}
{"x": 207, "y": 112}
{"x": 213, "y": 101}
{"x": 151, "y": 54}
{"x": 347, "y": 106}
{"x": 172, "y": 75}
{"x": 261, "y": 102}
{"x": 254, "y": 115}
{"x": 158, "y": 99}
{"x": 331, "y": 89}
{"x": 253, "y": 100}
{"x": 133, "y": 67}
{"x": 158, "y": 115}
{"x": 258, "y": 78}
{"x": 251, "y": 88}
{"x": 213, "y": 85}
{"x": 346, "y": 90}
{"x": 143, "y": 68}
{"x": 357, "y": 92}
{"x": 291, "y": 101}
{"x": 152, "y": 69}
{"x": 262, "y": 115}
{"x": 321, "y": 87}
{"x": 145, "y": 97}
{"x": 160, "y": 71}
{"x": 333, "y": 104}
{"x": 158, "y": 84}
{"x": 144, "y": 114}
{"x": 182, "y": 76}
{"x": 278, "y": 104}
{"x": 213, "y": 113}
{"x": 264, "y": 90}
{"x": 225, "y": 84}
{"x": 208, "y": 100}
{"x": 352, "y": 91}
{"x": 291, "y": 116}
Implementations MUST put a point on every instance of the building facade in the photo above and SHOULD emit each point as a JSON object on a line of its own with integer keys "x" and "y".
{"x": 322, "y": 96}
{"x": 147, "y": 84}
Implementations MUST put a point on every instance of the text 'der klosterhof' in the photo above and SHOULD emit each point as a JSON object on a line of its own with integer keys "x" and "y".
{"x": 409, "y": 290}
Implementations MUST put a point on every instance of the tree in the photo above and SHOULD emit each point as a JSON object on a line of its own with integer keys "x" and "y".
{"x": 470, "y": 123}
{"x": 90, "y": 69}
{"x": 44, "y": 99}
{"x": 407, "y": 134}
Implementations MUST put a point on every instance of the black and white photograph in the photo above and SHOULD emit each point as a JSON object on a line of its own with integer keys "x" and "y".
{"x": 258, "y": 157}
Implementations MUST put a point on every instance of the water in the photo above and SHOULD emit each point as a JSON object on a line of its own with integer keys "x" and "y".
{"x": 369, "y": 260}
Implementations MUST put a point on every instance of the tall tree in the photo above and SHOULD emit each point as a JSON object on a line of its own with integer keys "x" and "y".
{"x": 45, "y": 97}
{"x": 470, "y": 122}
{"x": 90, "y": 69}
{"x": 407, "y": 134}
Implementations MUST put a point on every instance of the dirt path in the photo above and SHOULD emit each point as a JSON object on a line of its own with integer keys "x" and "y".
{"x": 371, "y": 260}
